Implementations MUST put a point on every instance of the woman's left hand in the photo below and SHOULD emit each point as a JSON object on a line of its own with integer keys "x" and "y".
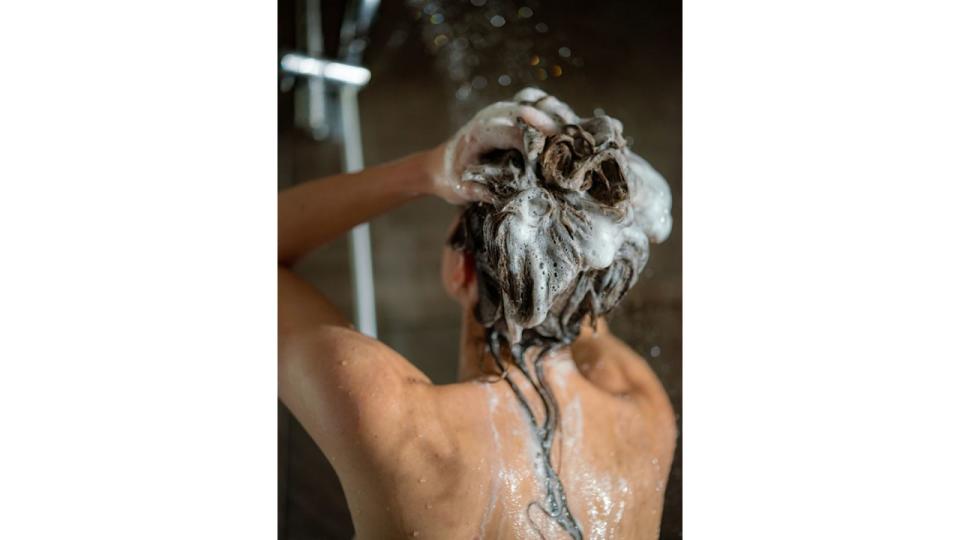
{"x": 498, "y": 126}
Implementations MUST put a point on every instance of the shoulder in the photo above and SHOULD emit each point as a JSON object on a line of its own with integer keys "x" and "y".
{"x": 339, "y": 354}
{"x": 616, "y": 369}
{"x": 346, "y": 389}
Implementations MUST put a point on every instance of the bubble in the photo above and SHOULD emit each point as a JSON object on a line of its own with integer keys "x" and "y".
{"x": 497, "y": 21}
{"x": 534, "y": 60}
{"x": 541, "y": 74}
{"x": 479, "y": 82}
{"x": 654, "y": 351}
{"x": 542, "y": 28}
{"x": 525, "y": 12}
{"x": 436, "y": 18}
{"x": 564, "y": 52}
{"x": 463, "y": 92}
{"x": 504, "y": 80}
{"x": 556, "y": 70}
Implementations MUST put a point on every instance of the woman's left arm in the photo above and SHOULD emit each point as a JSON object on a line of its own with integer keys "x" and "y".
{"x": 327, "y": 369}
{"x": 322, "y": 362}
{"x": 314, "y": 213}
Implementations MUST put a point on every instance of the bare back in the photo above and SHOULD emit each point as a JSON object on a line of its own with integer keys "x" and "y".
{"x": 460, "y": 460}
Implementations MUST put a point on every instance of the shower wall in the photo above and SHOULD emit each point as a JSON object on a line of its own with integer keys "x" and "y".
{"x": 621, "y": 57}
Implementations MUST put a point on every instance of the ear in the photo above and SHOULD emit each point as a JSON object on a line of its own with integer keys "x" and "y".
{"x": 459, "y": 278}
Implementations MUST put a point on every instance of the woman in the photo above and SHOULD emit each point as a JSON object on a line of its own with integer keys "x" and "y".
{"x": 556, "y": 429}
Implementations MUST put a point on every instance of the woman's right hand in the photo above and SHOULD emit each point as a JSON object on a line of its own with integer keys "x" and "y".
{"x": 495, "y": 127}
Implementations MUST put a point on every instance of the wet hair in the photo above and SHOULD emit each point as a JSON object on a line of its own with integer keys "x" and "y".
{"x": 569, "y": 227}
{"x": 564, "y": 238}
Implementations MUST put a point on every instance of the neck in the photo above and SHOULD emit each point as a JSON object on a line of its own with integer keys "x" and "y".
{"x": 537, "y": 399}
{"x": 475, "y": 358}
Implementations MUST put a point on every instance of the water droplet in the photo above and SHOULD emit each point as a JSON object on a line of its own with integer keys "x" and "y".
{"x": 564, "y": 52}
{"x": 542, "y": 28}
{"x": 654, "y": 351}
{"x": 525, "y": 12}
{"x": 504, "y": 80}
{"x": 497, "y": 21}
{"x": 436, "y": 18}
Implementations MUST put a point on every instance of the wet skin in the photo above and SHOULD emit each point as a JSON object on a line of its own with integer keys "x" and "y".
{"x": 459, "y": 460}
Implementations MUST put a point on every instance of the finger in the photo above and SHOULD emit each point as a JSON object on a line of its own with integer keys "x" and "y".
{"x": 500, "y": 109}
{"x": 497, "y": 133}
{"x": 555, "y": 108}
{"x": 474, "y": 191}
{"x": 538, "y": 119}
{"x": 480, "y": 173}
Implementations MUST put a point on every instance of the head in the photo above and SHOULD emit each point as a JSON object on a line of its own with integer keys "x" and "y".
{"x": 567, "y": 233}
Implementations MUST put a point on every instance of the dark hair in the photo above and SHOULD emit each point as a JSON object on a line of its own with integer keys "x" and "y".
{"x": 565, "y": 236}
{"x": 535, "y": 246}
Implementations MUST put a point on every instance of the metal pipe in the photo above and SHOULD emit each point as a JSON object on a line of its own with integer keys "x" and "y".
{"x": 312, "y": 107}
{"x": 361, "y": 258}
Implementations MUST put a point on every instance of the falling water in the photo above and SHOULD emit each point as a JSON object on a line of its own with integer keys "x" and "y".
{"x": 489, "y": 49}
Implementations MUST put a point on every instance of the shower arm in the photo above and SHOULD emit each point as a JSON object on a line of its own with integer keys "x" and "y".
{"x": 329, "y": 71}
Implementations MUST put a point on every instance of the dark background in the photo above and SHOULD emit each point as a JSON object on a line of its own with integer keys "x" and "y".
{"x": 430, "y": 74}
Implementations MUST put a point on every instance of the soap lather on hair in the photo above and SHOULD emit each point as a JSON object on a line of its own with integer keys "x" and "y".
{"x": 567, "y": 230}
